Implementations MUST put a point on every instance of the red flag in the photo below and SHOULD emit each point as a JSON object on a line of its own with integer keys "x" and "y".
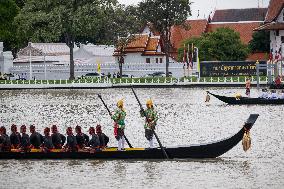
{"x": 189, "y": 58}
{"x": 184, "y": 54}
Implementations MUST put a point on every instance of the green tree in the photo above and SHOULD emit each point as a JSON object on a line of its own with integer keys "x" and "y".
{"x": 74, "y": 21}
{"x": 120, "y": 26}
{"x": 260, "y": 41}
{"x": 224, "y": 44}
{"x": 163, "y": 15}
{"x": 20, "y": 3}
{"x": 8, "y": 11}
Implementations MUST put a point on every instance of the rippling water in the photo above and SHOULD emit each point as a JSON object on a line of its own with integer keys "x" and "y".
{"x": 184, "y": 118}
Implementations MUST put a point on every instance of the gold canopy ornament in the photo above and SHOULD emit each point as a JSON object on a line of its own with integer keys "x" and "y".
{"x": 246, "y": 142}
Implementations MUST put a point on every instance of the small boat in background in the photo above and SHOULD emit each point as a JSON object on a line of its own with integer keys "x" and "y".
{"x": 247, "y": 100}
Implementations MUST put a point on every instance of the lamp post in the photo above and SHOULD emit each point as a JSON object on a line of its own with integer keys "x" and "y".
{"x": 197, "y": 60}
{"x": 281, "y": 63}
{"x": 30, "y": 51}
{"x": 44, "y": 66}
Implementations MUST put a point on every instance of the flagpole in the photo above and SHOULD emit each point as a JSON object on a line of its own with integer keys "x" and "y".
{"x": 187, "y": 54}
{"x": 183, "y": 59}
{"x": 30, "y": 48}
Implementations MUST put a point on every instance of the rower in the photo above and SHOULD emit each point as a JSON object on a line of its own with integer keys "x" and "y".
{"x": 95, "y": 141}
{"x": 102, "y": 137}
{"x": 71, "y": 145}
{"x": 281, "y": 96}
{"x": 25, "y": 139}
{"x": 58, "y": 139}
{"x": 273, "y": 95}
{"x": 119, "y": 124}
{"x": 5, "y": 144}
{"x": 47, "y": 144}
{"x": 263, "y": 94}
{"x": 82, "y": 139}
{"x": 150, "y": 121}
{"x": 15, "y": 137}
{"x": 36, "y": 138}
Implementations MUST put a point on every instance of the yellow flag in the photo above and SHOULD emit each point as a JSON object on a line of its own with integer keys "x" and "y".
{"x": 99, "y": 67}
{"x": 198, "y": 64}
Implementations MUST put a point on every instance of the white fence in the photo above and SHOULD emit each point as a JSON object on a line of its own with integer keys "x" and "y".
{"x": 135, "y": 69}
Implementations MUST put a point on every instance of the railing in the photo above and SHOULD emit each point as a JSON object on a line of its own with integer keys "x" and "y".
{"x": 148, "y": 80}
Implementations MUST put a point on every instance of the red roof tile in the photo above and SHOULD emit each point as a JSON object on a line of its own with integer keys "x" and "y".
{"x": 139, "y": 41}
{"x": 197, "y": 27}
{"x": 142, "y": 43}
{"x": 152, "y": 44}
{"x": 245, "y": 29}
{"x": 271, "y": 26}
{"x": 257, "y": 56}
{"x": 149, "y": 53}
{"x": 237, "y": 15}
{"x": 274, "y": 9}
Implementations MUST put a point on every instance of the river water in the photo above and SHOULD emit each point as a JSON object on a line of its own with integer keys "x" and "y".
{"x": 184, "y": 119}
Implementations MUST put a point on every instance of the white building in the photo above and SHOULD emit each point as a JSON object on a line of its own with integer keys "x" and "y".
{"x": 43, "y": 53}
{"x": 274, "y": 22}
{"x": 90, "y": 54}
{"x": 143, "y": 48}
{"x": 6, "y": 60}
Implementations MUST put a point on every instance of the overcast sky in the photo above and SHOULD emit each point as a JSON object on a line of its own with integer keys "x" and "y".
{"x": 206, "y": 6}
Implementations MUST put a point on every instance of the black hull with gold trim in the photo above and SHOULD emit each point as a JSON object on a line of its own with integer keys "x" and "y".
{"x": 210, "y": 150}
{"x": 246, "y": 100}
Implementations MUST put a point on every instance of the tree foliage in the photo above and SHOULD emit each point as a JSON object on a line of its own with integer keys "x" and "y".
{"x": 260, "y": 41}
{"x": 20, "y": 3}
{"x": 163, "y": 15}
{"x": 8, "y": 11}
{"x": 224, "y": 44}
{"x": 72, "y": 21}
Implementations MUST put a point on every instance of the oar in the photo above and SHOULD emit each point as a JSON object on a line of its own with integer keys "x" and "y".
{"x": 142, "y": 109}
{"x": 100, "y": 96}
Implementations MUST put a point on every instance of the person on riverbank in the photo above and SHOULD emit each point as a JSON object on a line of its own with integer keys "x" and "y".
{"x": 58, "y": 139}
{"x": 36, "y": 138}
{"x": 119, "y": 124}
{"x": 151, "y": 119}
{"x": 278, "y": 82}
{"x": 25, "y": 139}
{"x": 94, "y": 143}
{"x": 15, "y": 137}
{"x": 71, "y": 145}
{"x": 5, "y": 143}
{"x": 102, "y": 137}
{"x": 248, "y": 83}
{"x": 47, "y": 144}
{"x": 82, "y": 139}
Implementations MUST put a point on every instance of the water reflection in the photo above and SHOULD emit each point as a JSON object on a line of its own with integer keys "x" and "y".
{"x": 119, "y": 169}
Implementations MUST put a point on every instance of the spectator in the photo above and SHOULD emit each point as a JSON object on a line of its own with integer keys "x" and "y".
{"x": 248, "y": 82}
{"x": 278, "y": 82}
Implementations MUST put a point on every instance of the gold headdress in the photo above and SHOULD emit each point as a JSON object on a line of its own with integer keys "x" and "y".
{"x": 120, "y": 103}
{"x": 149, "y": 102}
